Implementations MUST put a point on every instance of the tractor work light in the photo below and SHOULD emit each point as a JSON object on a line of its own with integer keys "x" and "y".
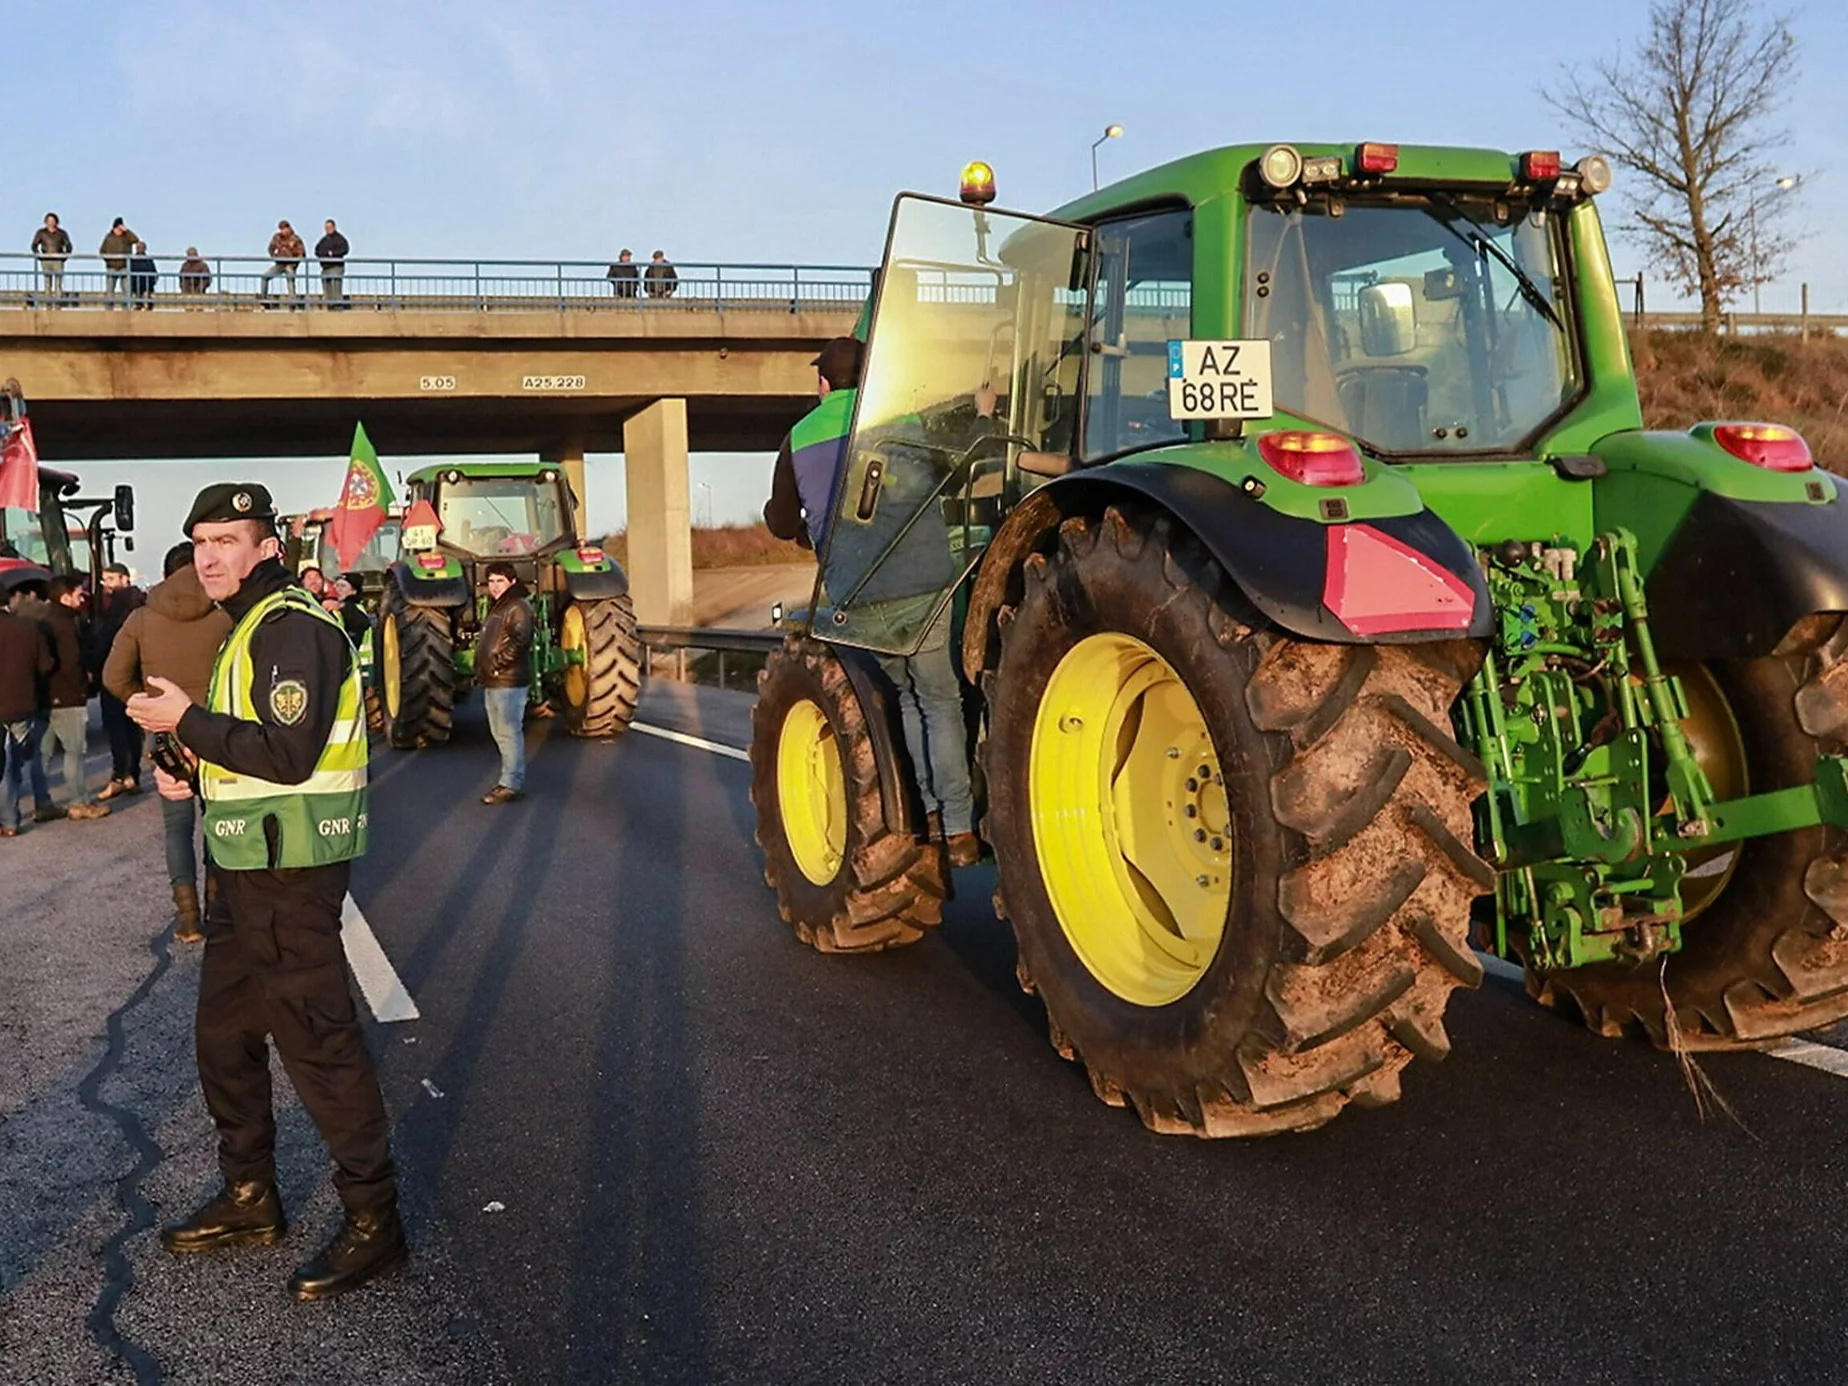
{"x": 1314, "y": 459}
{"x": 978, "y": 184}
{"x": 1594, "y": 171}
{"x": 1325, "y": 168}
{"x": 1771, "y": 446}
{"x": 1281, "y": 166}
{"x": 1540, "y": 165}
{"x": 1376, "y": 158}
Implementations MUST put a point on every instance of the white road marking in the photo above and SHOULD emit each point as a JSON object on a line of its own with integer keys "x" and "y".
{"x": 1817, "y": 1056}
{"x": 378, "y": 980}
{"x": 686, "y": 740}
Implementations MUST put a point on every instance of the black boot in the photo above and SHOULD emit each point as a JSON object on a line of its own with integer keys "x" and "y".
{"x": 370, "y": 1244}
{"x": 246, "y": 1214}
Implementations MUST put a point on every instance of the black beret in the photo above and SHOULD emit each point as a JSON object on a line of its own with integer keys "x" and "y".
{"x": 231, "y": 500}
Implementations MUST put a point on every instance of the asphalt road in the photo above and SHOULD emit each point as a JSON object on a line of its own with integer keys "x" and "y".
{"x": 715, "y": 1156}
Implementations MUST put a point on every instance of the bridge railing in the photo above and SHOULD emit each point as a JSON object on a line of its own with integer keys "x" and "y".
{"x": 241, "y": 283}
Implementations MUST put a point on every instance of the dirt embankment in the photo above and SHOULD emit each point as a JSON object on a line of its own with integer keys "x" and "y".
{"x": 1684, "y": 377}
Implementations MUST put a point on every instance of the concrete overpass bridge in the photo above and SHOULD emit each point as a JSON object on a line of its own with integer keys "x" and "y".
{"x": 436, "y": 358}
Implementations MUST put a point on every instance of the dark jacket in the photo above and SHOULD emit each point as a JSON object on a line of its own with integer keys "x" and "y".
{"x": 176, "y": 635}
{"x": 143, "y": 274}
{"x": 331, "y": 248}
{"x": 26, "y": 662}
{"x": 625, "y": 275}
{"x": 662, "y": 279}
{"x": 112, "y": 612}
{"x": 290, "y": 646}
{"x": 504, "y": 653}
{"x": 51, "y": 243}
{"x": 70, "y": 686}
{"x": 115, "y": 248}
{"x": 195, "y": 275}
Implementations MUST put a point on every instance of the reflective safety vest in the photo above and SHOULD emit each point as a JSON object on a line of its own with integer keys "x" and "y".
{"x": 319, "y": 821}
{"x": 816, "y": 445}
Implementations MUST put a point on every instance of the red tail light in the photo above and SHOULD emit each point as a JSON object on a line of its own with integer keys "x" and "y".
{"x": 1771, "y": 446}
{"x": 1540, "y": 165}
{"x": 589, "y": 554}
{"x": 432, "y": 561}
{"x": 1376, "y": 158}
{"x": 1315, "y": 459}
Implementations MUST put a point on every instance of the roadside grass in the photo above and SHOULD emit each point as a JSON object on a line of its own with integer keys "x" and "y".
{"x": 725, "y": 546}
{"x": 1685, "y": 377}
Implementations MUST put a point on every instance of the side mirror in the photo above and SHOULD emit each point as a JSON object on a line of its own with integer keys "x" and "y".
{"x": 1440, "y": 284}
{"x": 1388, "y": 319}
{"x": 125, "y": 507}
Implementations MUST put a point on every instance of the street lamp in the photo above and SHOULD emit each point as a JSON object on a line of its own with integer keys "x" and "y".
{"x": 1111, "y": 132}
{"x": 1788, "y": 183}
{"x": 706, "y": 486}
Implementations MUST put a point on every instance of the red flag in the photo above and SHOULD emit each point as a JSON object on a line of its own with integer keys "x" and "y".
{"x": 363, "y": 500}
{"x": 19, "y": 469}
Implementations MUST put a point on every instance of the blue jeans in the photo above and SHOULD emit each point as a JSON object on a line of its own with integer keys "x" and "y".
{"x": 177, "y": 817}
{"x": 930, "y": 705}
{"x": 506, "y": 720}
{"x": 23, "y": 769}
{"x": 69, "y": 731}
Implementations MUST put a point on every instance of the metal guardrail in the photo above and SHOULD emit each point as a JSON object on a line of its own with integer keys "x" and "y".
{"x": 722, "y": 640}
{"x": 253, "y": 283}
{"x": 1798, "y": 324}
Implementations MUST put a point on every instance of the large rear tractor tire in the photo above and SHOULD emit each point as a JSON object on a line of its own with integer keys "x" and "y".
{"x": 845, "y": 881}
{"x": 1765, "y": 940}
{"x": 417, "y": 674}
{"x": 1237, "y": 863}
{"x": 603, "y": 680}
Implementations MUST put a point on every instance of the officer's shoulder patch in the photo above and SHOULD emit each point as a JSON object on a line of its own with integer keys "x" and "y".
{"x": 288, "y": 701}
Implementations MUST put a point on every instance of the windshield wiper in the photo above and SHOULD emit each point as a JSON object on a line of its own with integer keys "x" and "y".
{"x": 1482, "y": 243}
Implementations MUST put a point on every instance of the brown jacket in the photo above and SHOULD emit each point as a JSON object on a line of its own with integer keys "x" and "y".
{"x": 176, "y": 636}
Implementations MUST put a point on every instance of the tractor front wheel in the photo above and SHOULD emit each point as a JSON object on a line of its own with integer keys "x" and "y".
{"x": 417, "y": 674}
{"x": 1237, "y": 863}
{"x": 602, "y": 679}
{"x": 846, "y": 882}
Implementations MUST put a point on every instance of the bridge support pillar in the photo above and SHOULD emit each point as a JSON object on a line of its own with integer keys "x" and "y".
{"x": 570, "y": 461}
{"x": 654, "y": 449}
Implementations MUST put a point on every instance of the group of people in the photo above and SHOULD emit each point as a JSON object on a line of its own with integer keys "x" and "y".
{"x": 629, "y": 280}
{"x": 248, "y": 686}
{"x": 131, "y": 275}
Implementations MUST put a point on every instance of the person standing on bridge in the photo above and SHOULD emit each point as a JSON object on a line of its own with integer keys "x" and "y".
{"x": 331, "y": 250}
{"x": 177, "y": 636}
{"x": 625, "y": 275}
{"x": 195, "y": 279}
{"x": 143, "y": 275}
{"x": 281, "y": 761}
{"x": 661, "y": 277}
{"x": 504, "y": 669}
{"x": 52, "y": 244}
{"x": 286, "y": 253}
{"x": 114, "y": 249}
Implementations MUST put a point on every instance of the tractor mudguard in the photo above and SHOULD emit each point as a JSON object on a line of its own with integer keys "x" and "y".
{"x": 422, "y": 590}
{"x": 599, "y": 584}
{"x": 1737, "y": 575}
{"x": 1279, "y": 561}
{"x": 904, "y": 809}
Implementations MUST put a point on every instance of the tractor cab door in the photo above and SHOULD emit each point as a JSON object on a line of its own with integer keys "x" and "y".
{"x": 974, "y": 356}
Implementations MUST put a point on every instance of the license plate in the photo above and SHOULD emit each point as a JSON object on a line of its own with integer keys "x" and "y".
{"x": 1219, "y": 380}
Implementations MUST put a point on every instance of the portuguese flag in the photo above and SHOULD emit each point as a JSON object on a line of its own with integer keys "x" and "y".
{"x": 363, "y": 500}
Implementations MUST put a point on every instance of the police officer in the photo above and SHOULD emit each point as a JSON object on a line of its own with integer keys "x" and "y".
{"x": 281, "y": 761}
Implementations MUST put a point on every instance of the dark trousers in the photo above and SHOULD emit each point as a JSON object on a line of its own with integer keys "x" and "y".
{"x": 124, "y": 739}
{"x": 274, "y": 969}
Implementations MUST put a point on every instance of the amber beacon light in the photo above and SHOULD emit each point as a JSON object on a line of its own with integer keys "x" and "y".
{"x": 978, "y": 184}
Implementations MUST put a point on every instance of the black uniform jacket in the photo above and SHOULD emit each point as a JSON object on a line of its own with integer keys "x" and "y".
{"x": 302, "y": 656}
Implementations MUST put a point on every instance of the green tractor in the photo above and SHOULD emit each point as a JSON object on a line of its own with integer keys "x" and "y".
{"x": 1327, "y": 615}
{"x": 586, "y": 652}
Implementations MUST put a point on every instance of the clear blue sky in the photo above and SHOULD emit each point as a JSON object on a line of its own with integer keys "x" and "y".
{"x": 722, "y": 131}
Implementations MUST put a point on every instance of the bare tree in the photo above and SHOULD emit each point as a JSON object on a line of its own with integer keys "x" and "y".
{"x": 1690, "y": 113}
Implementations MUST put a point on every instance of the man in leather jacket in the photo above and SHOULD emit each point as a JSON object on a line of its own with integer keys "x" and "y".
{"x": 504, "y": 669}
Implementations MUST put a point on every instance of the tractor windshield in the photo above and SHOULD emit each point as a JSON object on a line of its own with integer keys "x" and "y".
{"x": 976, "y": 343}
{"x": 25, "y": 535}
{"x": 492, "y": 516}
{"x": 380, "y": 553}
{"x": 1431, "y": 326}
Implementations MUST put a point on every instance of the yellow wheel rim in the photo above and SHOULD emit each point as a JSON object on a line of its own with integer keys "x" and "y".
{"x": 392, "y": 673}
{"x": 1719, "y": 750}
{"x": 1130, "y": 819}
{"x": 811, "y": 792}
{"x": 573, "y": 641}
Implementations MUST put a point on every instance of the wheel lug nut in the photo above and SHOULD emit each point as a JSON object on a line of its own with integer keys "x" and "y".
{"x": 1193, "y": 785}
{"x": 1191, "y": 811}
{"x": 1206, "y": 772}
{"x": 1202, "y": 881}
{"x": 1199, "y": 834}
{"x": 1174, "y": 753}
{"x": 1219, "y": 844}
